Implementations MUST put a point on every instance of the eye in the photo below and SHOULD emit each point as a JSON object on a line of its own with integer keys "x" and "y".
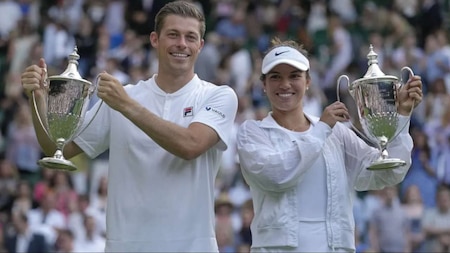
{"x": 172, "y": 35}
{"x": 192, "y": 38}
{"x": 274, "y": 77}
{"x": 296, "y": 76}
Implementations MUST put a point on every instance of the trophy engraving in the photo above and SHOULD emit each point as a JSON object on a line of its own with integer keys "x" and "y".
{"x": 67, "y": 101}
{"x": 375, "y": 96}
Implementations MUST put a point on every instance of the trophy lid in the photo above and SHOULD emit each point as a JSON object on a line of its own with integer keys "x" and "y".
{"x": 374, "y": 71}
{"x": 71, "y": 72}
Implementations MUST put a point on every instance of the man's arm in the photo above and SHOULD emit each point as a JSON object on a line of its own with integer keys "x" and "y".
{"x": 187, "y": 143}
{"x": 32, "y": 82}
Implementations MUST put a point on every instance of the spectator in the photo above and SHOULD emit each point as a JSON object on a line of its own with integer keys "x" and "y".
{"x": 8, "y": 184}
{"x": 24, "y": 150}
{"x": 24, "y": 239}
{"x": 91, "y": 240}
{"x": 43, "y": 186}
{"x": 436, "y": 64}
{"x": 245, "y": 233}
{"x": 436, "y": 223}
{"x": 46, "y": 218}
{"x": 66, "y": 196}
{"x": 389, "y": 228}
{"x": 414, "y": 209}
{"x": 65, "y": 242}
{"x": 23, "y": 201}
{"x": 422, "y": 173}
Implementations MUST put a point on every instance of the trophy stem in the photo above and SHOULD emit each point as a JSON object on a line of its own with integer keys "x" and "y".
{"x": 57, "y": 162}
{"x": 384, "y": 162}
{"x": 59, "y": 149}
{"x": 384, "y": 154}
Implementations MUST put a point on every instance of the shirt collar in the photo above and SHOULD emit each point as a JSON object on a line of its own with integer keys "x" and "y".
{"x": 269, "y": 121}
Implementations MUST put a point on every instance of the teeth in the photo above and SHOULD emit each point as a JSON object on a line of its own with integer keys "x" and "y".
{"x": 179, "y": 55}
{"x": 285, "y": 95}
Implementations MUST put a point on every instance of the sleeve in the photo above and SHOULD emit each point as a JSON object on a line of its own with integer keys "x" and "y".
{"x": 94, "y": 136}
{"x": 359, "y": 155}
{"x": 271, "y": 168}
{"x": 219, "y": 112}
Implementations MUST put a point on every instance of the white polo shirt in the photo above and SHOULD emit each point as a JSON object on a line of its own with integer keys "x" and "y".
{"x": 157, "y": 201}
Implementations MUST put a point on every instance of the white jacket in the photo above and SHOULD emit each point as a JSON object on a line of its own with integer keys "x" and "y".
{"x": 273, "y": 163}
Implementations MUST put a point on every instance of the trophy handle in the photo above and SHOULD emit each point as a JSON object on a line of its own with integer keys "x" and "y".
{"x": 33, "y": 98}
{"x": 402, "y": 83}
{"x": 36, "y": 110}
{"x": 91, "y": 91}
{"x": 363, "y": 136}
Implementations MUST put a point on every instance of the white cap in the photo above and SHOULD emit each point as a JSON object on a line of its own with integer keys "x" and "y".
{"x": 286, "y": 55}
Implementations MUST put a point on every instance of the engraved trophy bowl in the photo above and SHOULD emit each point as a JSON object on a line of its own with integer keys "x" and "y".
{"x": 62, "y": 113}
{"x": 375, "y": 96}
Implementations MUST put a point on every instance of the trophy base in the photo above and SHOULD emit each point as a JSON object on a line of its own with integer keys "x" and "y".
{"x": 57, "y": 164}
{"x": 385, "y": 164}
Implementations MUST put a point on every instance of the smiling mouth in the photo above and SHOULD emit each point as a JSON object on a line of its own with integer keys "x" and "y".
{"x": 180, "y": 55}
{"x": 285, "y": 95}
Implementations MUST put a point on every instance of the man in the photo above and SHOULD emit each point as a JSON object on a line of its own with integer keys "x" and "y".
{"x": 389, "y": 229}
{"x": 165, "y": 136}
{"x": 25, "y": 240}
{"x": 436, "y": 222}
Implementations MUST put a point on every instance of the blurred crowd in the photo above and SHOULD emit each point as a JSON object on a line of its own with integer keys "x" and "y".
{"x": 67, "y": 210}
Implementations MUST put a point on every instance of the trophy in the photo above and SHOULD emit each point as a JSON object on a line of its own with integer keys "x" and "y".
{"x": 62, "y": 113}
{"x": 375, "y": 96}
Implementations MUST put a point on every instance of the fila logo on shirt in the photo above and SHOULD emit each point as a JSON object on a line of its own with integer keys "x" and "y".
{"x": 188, "y": 111}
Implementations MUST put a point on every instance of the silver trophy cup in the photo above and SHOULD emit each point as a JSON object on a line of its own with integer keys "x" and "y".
{"x": 62, "y": 114}
{"x": 375, "y": 96}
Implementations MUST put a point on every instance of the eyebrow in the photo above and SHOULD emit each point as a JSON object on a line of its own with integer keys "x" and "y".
{"x": 178, "y": 31}
{"x": 292, "y": 72}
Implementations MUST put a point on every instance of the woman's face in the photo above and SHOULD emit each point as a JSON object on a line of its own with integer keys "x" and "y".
{"x": 285, "y": 87}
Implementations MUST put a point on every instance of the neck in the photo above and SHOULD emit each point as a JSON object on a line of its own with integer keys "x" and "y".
{"x": 172, "y": 83}
{"x": 297, "y": 122}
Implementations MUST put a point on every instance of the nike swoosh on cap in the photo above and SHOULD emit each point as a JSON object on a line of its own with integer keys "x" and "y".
{"x": 278, "y": 53}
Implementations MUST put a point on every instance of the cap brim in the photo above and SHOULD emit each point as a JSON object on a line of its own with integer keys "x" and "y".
{"x": 295, "y": 64}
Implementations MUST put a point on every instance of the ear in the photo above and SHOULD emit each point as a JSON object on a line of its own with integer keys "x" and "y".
{"x": 202, "y": 43}
{"x": 154, "y": 39}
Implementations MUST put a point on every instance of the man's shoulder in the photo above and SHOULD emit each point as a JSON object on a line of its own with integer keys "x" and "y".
{"x": 214, "y": 85}
{"x": 216, "y": 88}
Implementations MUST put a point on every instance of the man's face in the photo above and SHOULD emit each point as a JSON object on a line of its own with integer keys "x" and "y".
{"x": 178, "y": 44}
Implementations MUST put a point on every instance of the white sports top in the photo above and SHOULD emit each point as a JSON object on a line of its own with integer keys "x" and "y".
{"x": 312, "y": 207}
{"x": 157, "y": 201}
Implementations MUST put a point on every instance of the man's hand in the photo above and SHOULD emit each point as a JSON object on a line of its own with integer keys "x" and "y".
{"x": 112, "y": 92}
{"x": 34, "y": 78}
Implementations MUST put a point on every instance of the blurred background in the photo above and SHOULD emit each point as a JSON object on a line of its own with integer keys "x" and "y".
{"x": 68, "y": 209}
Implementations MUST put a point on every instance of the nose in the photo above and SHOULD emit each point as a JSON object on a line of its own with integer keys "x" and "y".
{"x": 181, "y": 42}
{"x": 285, "y": 83}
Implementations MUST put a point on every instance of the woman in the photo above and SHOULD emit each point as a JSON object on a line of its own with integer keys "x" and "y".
{"x": 302, "y": 169}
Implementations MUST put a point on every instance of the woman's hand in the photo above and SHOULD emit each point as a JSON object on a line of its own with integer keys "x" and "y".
{"x": 410, "y": 95}
{"x": 335, "y": 112}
